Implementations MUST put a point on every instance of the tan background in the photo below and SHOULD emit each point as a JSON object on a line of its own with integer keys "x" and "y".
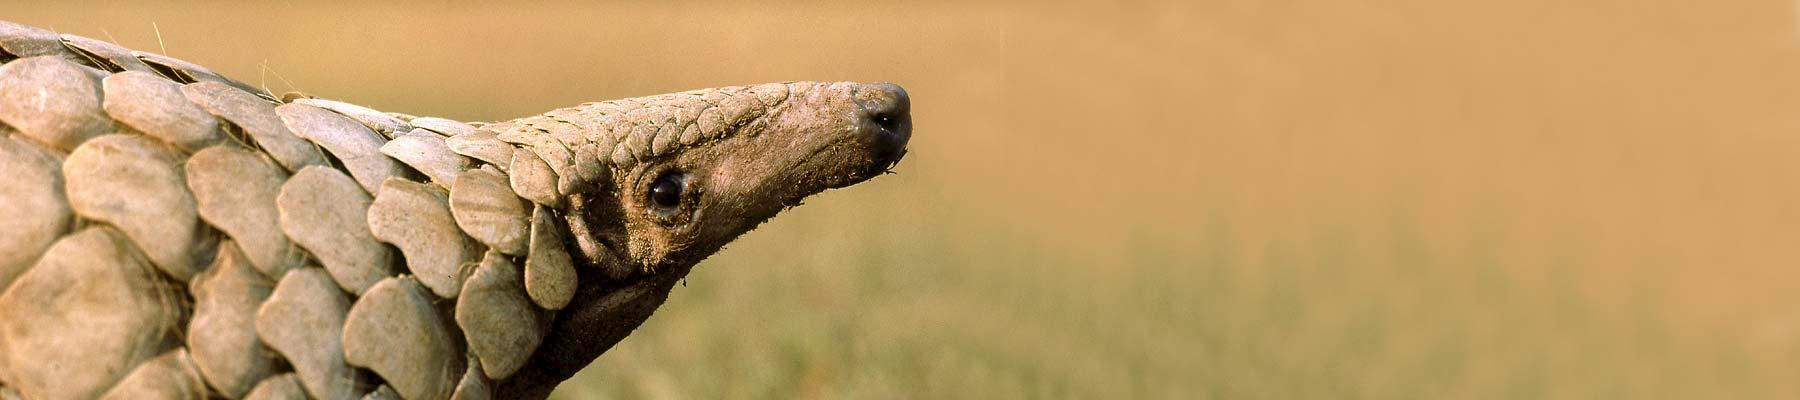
{"x": 1240, "y": 199}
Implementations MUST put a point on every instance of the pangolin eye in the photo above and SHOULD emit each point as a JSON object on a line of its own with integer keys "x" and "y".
{"x": 666, "y": 191}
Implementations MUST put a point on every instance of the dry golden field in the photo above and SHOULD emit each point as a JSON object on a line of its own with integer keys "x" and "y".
{"x": 1182, "y": 199}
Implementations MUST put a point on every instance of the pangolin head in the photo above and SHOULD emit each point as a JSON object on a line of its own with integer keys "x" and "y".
{"x": 692, "y": 171}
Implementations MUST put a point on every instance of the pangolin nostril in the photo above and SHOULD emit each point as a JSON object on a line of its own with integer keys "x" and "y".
{"x": 886, "y": 106}
{"x": 886, "y": 121}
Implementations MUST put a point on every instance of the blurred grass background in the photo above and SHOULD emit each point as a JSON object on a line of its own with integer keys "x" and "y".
{"x": 1181, "y": 199}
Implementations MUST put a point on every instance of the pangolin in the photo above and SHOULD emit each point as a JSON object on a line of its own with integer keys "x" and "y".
{"x": 168, "y": 232}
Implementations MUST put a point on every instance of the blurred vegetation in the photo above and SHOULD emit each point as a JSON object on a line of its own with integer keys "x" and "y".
{"x": 1182, "y": 199}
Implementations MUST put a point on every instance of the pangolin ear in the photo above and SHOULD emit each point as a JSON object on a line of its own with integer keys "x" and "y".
{"x": 596, "y": 222}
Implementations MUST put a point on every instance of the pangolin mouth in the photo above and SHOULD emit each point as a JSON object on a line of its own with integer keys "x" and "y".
{"x": 877, "y": 166}
{"x": 883, "y": 165}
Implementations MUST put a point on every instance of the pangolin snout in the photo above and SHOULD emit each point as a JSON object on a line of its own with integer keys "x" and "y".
{"x": 886, "y": 119}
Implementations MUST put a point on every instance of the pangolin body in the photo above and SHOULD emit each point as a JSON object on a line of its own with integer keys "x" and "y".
{"x": 167, "y": 232}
